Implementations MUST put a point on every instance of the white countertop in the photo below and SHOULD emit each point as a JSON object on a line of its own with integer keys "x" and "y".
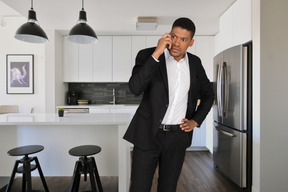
{"x": 100, "y": 106}
{"x": 68, "y": 119}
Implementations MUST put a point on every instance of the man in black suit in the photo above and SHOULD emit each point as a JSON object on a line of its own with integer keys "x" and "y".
{"x": 171, "y": 80}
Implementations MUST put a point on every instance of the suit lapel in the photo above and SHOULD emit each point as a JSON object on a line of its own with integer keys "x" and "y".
{"x": 163, "y": 71}
{"x": 193, "y": 75}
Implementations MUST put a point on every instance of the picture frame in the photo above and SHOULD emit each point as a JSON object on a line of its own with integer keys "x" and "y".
{"x": 20, "y": 74}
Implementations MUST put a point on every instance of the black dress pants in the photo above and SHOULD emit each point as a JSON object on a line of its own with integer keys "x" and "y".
{"x": 168, "y": 152}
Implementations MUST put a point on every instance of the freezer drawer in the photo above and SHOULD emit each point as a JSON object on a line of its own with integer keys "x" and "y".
{"x": 230, "y": 153}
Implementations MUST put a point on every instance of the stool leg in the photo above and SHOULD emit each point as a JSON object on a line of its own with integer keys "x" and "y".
{"x": 8, "y": 189}
{"x": 84, "y": 168}
{"x": 77, "y": 184}
{"x": 91, "y": 174}
{"x": 41, "y": 174}
{"x": 27, "y": 171}
{"x": 23, "y": 182}
{"x": 97, "y": 174}
{"x": 74, "y": 186}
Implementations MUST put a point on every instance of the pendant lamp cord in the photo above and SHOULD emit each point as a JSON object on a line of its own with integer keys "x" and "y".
{"x": 82, "y": 4}
{"x": 32, "y": 4}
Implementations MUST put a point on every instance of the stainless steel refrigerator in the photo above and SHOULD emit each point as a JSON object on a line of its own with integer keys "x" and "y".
{"x": 232, "y": 113}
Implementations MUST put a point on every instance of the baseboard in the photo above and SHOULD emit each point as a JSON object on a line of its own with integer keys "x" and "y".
{"x": 197, "y": 148}
{"x": 191, "y": 148}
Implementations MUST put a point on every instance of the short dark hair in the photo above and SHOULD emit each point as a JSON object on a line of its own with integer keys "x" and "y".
{"x": 185, "y": 23}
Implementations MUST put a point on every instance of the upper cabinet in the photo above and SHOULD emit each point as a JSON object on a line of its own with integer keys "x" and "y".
{"x": 122, "y": 51}
{"x": 87, "y": 62}
{"x": 235, "y": 26}
{"x": 138, "y": 43}
{"x": 70, "y": 61}
{"x": 102, "y": 59}
{"x": 113, "y": 57}
{"x": 152, "y": 41}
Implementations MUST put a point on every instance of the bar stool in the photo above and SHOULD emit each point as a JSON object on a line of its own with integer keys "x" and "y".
{"x": 85, "y": 165}
{"x": 27, "y": 167}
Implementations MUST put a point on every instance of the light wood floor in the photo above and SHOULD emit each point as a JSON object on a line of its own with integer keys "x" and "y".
{"x": 198, "y": 175}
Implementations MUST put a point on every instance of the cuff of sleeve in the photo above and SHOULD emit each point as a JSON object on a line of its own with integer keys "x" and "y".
{"x": 155, "y": 59}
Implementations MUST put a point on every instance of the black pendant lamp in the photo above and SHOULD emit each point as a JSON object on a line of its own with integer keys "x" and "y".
{"x": 81, "y": 32}
{"x": 31, "y": 32}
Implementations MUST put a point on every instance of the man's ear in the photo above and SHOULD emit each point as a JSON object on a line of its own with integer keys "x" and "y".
{"x": 191, "y": 42}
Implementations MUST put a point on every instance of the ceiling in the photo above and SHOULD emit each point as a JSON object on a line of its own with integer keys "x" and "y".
{"x": 120, "y": 16}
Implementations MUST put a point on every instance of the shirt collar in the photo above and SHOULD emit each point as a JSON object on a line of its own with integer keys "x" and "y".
{"x": 168, "y": 57}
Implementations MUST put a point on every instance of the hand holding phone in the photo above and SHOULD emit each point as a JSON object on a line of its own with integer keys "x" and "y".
{"x": 164, "y": 42}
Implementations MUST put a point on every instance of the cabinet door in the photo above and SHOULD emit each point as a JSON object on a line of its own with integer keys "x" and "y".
{"x": 70, "y": 61}
{"x": 122, "y": 67}
{"x": 99, "y": 110}
{"x": 102, "y": 59}
{"x": 152, "y": 41}
{"x": 85, "y": 62}
{"x": 138, "y": 43}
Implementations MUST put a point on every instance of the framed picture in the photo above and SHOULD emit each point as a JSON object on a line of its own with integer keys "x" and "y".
{"x": 20, "y": 74}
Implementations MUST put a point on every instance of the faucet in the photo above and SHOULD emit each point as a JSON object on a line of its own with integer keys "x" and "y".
{"x": 114, "y": 97}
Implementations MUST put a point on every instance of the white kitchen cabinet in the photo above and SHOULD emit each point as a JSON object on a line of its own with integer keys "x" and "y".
{"x": 99, "y": 110}
{"x": 122, "y": 65}
{"x": 85, "y": 62}
{"x": 77, "y": 62}
{"x": 102, "y": 59}
{"x": 152, "y": 41}
{"x": 241, "y": 27}
{"x": 70, "y": 61}
{"x": 234, "y": 26}
{"x": 113, "y": 57}
{"x": 113, "y": 109}
{"x": 138, "y": 43}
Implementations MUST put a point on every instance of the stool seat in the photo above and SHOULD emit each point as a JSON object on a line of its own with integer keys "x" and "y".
{"x": 84, "y": 150}
{"x": 25, "y": 150}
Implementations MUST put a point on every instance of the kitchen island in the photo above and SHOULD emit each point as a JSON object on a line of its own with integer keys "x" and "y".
{"x": 59, "y": 134}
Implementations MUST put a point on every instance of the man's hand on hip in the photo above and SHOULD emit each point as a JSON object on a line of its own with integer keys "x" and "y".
{"x": 188, "y": 125}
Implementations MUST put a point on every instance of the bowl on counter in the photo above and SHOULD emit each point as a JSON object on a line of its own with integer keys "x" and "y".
{"x": 82, "y": 102}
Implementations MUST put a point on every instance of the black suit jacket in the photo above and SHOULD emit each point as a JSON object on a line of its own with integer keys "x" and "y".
{"x": 150, "y": 78}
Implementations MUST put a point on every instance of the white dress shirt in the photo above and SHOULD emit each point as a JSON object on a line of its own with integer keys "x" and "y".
{"x": 179, "y": 84}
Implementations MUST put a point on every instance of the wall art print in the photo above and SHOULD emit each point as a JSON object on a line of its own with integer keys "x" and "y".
{"x": 20, "y": 74}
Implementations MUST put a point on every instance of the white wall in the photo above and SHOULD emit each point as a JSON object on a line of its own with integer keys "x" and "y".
{"x": 9, "y": 45}
{"x": 55, "y": 88}
{"x": 204, "y": 49}
{"x": 273, "y": 95}
{"x": 256, "y": 95}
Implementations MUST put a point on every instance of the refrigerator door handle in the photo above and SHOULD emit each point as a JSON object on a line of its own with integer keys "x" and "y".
{"x": 226, "y": 89}
{"x": 225, "y": 132}
{"x": 244, "y": 87}
{"x": 219, "y": 90}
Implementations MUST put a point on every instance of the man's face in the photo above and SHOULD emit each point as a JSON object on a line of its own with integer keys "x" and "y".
{"x": 181, "y": 40}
